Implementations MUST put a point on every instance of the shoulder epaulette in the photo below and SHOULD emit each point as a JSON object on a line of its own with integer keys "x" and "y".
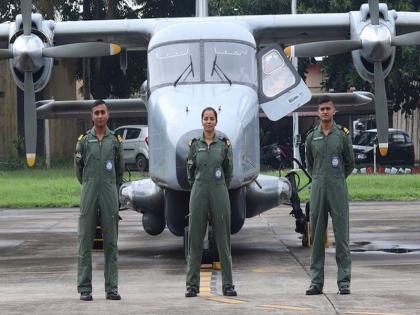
{"x": 191, "y": 142}
{"x": 81, "y": 137}
{"x": 119, "y": 139}
{"x": 225, "y": 140}
{"x": 344, "y": 129}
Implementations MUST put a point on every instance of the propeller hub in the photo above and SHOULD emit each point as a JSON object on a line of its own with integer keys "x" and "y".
{"x": 27, "y": 52}
{"x": 376, "y": 43}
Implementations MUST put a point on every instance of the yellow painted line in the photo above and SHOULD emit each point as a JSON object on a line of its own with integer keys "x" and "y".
{"x": 371, "y": 313}
{"x": 286, "y": 307}
{"x": 205, "y": 294}
{"x": 205, "y": 282}
{"x": 225, "y": 300}
{"x": 205, "y": 290}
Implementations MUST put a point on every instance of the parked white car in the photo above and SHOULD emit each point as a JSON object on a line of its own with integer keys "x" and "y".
{"x": 135, "y": 145}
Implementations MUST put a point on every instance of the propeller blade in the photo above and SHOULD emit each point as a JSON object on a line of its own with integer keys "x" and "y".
{"x": 6, "y": 54}
{"x": 374, "y": 11}
{"x": 407, "y": 39}
{"x": 326, "y": 48}
{"x": 30, "y": 119}
{"x": 82, "y": 50}
{"x": 381, "y": 109}
{"x": 26, "y": 6}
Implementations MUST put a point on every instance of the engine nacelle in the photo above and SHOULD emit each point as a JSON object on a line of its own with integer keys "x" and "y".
{"x": 361, "y": 28}
{"x": 42, "y": 36}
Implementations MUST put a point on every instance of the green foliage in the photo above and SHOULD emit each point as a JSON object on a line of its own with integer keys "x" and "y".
{"x": 378, "y": 187}
{"x": 31, "y": 188}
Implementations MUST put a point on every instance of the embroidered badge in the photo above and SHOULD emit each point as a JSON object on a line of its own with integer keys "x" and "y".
{"x": 318, "y": 138}
{"x": 108, "y": 166}
{"x": 334, "y": 161}
{"x": 217, "y": 173}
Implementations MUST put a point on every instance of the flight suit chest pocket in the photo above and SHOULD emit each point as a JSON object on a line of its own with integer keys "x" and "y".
{"x": 216, "y": 155}
{"x": 201, "y": 157}
{"x": 108, "y": 149}
{"x": 318, "y": 146}
{"x": 93, "y": 149}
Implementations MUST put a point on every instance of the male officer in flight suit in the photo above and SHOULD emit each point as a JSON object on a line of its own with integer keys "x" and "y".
{"x": 99, "y": 168}
{"x": 330, "y": 159}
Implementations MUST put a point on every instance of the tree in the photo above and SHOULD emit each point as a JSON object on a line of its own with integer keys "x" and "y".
{"x": 403, "y": 83}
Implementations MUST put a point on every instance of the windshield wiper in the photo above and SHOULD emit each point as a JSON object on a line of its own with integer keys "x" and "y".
{"x": 217, "y": 69}
{"x": 190, "y": 66}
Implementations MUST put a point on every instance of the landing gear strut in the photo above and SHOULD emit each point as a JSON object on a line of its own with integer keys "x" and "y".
{"x": 302, "y": 219}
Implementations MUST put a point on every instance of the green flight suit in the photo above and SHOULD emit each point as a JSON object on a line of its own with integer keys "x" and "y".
{"x": 330, "y": 160}
{"x": 99, "y": 168}
{"x": 209, "y": 173}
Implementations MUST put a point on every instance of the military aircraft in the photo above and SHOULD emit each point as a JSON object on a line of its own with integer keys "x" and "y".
{"x": 234, "y": 63}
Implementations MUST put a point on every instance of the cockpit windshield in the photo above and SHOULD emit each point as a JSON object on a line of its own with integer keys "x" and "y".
{"x": 170, "y": 61}
{"x": 202, "y": 62}
{"x": 236, "y": 61}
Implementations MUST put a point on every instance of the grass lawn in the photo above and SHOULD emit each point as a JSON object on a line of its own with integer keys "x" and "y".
{"x": 59, "y": 188}
{"x": 32, "y": 188}
{"x": 380, "y": 188}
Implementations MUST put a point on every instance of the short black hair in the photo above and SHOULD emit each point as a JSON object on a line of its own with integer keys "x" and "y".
{"x": 209, "y": 109}
{"x": 96, "y": 103}
{"x": 324, "y": 99}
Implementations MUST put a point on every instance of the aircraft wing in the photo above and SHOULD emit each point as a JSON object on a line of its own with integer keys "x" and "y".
{"x": 50, "y": 109}
{"x": 345, "y": 103}
{"x": 127, "y": 33}
{"x": 300, "y": 28}
{"x": 136, "y": 33}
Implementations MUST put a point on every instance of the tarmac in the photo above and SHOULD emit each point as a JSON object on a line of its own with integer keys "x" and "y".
{"x": 38, "y": 250}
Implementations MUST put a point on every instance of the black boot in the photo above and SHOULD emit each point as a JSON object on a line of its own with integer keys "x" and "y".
{"x": 344, "y": 290}
{"x": 86, "y": 296}
{"x": 191, "y": 292}
{"x": 113, "y": 296}
{"x": 229, "y": 291}
{"x": 313, "y": 291}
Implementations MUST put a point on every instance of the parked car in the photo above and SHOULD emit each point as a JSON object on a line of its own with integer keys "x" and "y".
{"x": 400, "y": 148}
{"x": 135, "y": 145}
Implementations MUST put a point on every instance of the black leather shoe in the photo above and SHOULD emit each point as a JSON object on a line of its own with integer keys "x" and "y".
{"x": 113, "y": 296}
{"x": 344, "y": 290}
{"x": 313, "y": 291}
{"x": 191, "y": 292}
{"x": 86, "y": 296}
{"x": 229, "y": 291}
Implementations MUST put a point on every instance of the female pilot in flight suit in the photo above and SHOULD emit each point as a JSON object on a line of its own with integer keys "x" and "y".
{"x": 209, "y": 173}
